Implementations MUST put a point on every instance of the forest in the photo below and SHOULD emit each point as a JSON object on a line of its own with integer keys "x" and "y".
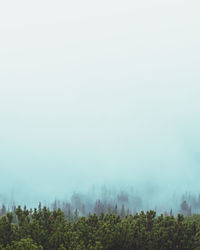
{"x": 104, "y": 224}
{"x": 47, "y": 229}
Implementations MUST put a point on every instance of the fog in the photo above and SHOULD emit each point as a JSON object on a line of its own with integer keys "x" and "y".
{"x": 99, "y": 93}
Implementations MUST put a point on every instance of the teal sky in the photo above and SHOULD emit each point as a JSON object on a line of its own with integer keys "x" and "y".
{"x": 99, "y": 92}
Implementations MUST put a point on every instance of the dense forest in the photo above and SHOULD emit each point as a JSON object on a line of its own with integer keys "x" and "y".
{"x": 114, "y": 222}
{"x": 42, "y": 228}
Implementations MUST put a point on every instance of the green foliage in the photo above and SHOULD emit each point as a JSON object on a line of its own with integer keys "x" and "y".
{"x": 24, "y": 244}
{"x": 44, "y": 229}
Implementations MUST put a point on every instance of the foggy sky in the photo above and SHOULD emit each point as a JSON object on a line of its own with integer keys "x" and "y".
{"x": 99, "y": 92}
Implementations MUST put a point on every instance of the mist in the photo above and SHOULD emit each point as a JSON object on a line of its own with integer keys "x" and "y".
{"x": 99, "y": 94}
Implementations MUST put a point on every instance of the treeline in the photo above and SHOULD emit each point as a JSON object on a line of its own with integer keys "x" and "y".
{"x": 42, "y": 228}
{"x": 120, "y": 203}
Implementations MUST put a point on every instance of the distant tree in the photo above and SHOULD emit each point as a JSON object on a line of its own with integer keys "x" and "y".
{"x": 115, "y": 209}
{"x": 184, "y": 208}
{"x": 122, "y": 213}
{"x": 76, "y": 200}
{"x": 122, "y": 197}
{"x": 99, "y": 207}
{"x": 40, "y": 207}
{"x": 127, "y": 212}
{"x": 3, "y": 210}
{"x": 76, "y": 214}
{"x": 54, "y": 205}
{"x": 82, "y": 210}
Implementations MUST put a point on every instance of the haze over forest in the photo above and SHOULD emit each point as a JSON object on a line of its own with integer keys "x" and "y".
{"x": 99, "y": 93}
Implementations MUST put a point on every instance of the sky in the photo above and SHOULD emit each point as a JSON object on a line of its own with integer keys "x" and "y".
{"x": 99, "y": 93}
